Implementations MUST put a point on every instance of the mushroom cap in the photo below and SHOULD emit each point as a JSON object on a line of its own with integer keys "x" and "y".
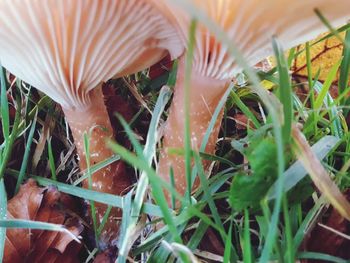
{"x": 66, "y": 48}
{"x": 251, "y": 24}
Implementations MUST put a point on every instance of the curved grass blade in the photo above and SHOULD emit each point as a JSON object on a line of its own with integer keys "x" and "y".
{"x": 296, "y": 172}
{"x": 319, "y": 175}
{"x": 284, "y": 91}
{"x": 96, "y": 167}
{"x": 52, "y": 160}
{"x": 104, "y": 198}
{"x": 246, "y": 111}
{"x": 187, "y": 108}
{"x": 19, "y": 223}
{"x": 5, "y": 119}
{"x": 26, "y": 155}
{"x": 345, "y": 68}
{"x": 321, "y": 257}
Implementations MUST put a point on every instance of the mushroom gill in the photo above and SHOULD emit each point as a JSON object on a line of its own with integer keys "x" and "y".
{"x": 66, "y": 49}
{"x": 250, "y": 24}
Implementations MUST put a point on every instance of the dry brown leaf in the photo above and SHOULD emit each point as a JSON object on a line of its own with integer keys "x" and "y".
{"x": 323, "y": 56}
{"x": 40, "y": 204}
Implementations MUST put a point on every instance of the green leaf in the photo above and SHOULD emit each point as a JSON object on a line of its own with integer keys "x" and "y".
{"x": 248, "y": 190}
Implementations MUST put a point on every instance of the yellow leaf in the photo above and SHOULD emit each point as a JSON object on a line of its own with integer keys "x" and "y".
{"x": 323, "y": 56}
{"x": 267, "y": 84}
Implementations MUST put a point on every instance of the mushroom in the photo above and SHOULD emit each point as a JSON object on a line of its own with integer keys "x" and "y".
{"x": 250, "y": 24}
{"x": 67, "y": 48}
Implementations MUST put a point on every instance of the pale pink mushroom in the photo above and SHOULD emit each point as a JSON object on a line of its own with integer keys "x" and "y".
{"x": 68, "y": 48}
{"x": 250, "y": 24}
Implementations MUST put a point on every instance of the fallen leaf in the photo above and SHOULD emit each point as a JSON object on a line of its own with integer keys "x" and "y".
{"x": 40, "y": 204}
{"x": 323, "y": 55}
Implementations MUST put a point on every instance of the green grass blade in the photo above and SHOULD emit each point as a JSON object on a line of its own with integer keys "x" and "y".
{"x": 3, "y": 215}
{"x": 321, "y": 257}
{"x": 137, "y": 146}
{"x": 104, "y": 220}
{"x": 146, "y": 156}
{"x": 285, "y": 90}
{"x": 172, "y": 182}
{"x": 291, "y": 56}
{"x": 19, "y": 223}
{"x": 325, "y": 21}
{"x": 157, "y": 193}
{"x": 296, "y": 172}
{"x": 198, "y": 235}
{"x": 205, "y": 186}
{"x": 290, "y": 249}
{"x": 26, "y": 155}
{"x": 228, "y": 246}
{"x": 172, "y": 75}
{"x": 124, "y": 241}
{"x": 319, "y": 175}
{"x": 152, "y": 135}
{"x": 8, "y": 144}
{"x": 247, "y": 248}
{"x": 246, "y": 111}
{"x": 210, "y": 128}
{"x": 214, "y": 118}
{"x": 311, "y": 86}
{"x": 5, "y": 119}
{"x": 345, "y": 67}
{"x": 88, "y": 172}
{"x": 52, "y": 161}
{"x": 187, "y": 109}
{"x": 327, "y": 84}
{"x": 339, "y": 30}
{"x": 332, "y": 110}
{"x": 154, "y": 180}
{"x": 96, "y": 167}
{"x": 303, "y": 228}
{"x": 104, "y": 198}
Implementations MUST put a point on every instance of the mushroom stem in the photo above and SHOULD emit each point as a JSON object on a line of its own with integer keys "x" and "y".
{"x": 94, "y": 121}
{"x": 205, "y": 94}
